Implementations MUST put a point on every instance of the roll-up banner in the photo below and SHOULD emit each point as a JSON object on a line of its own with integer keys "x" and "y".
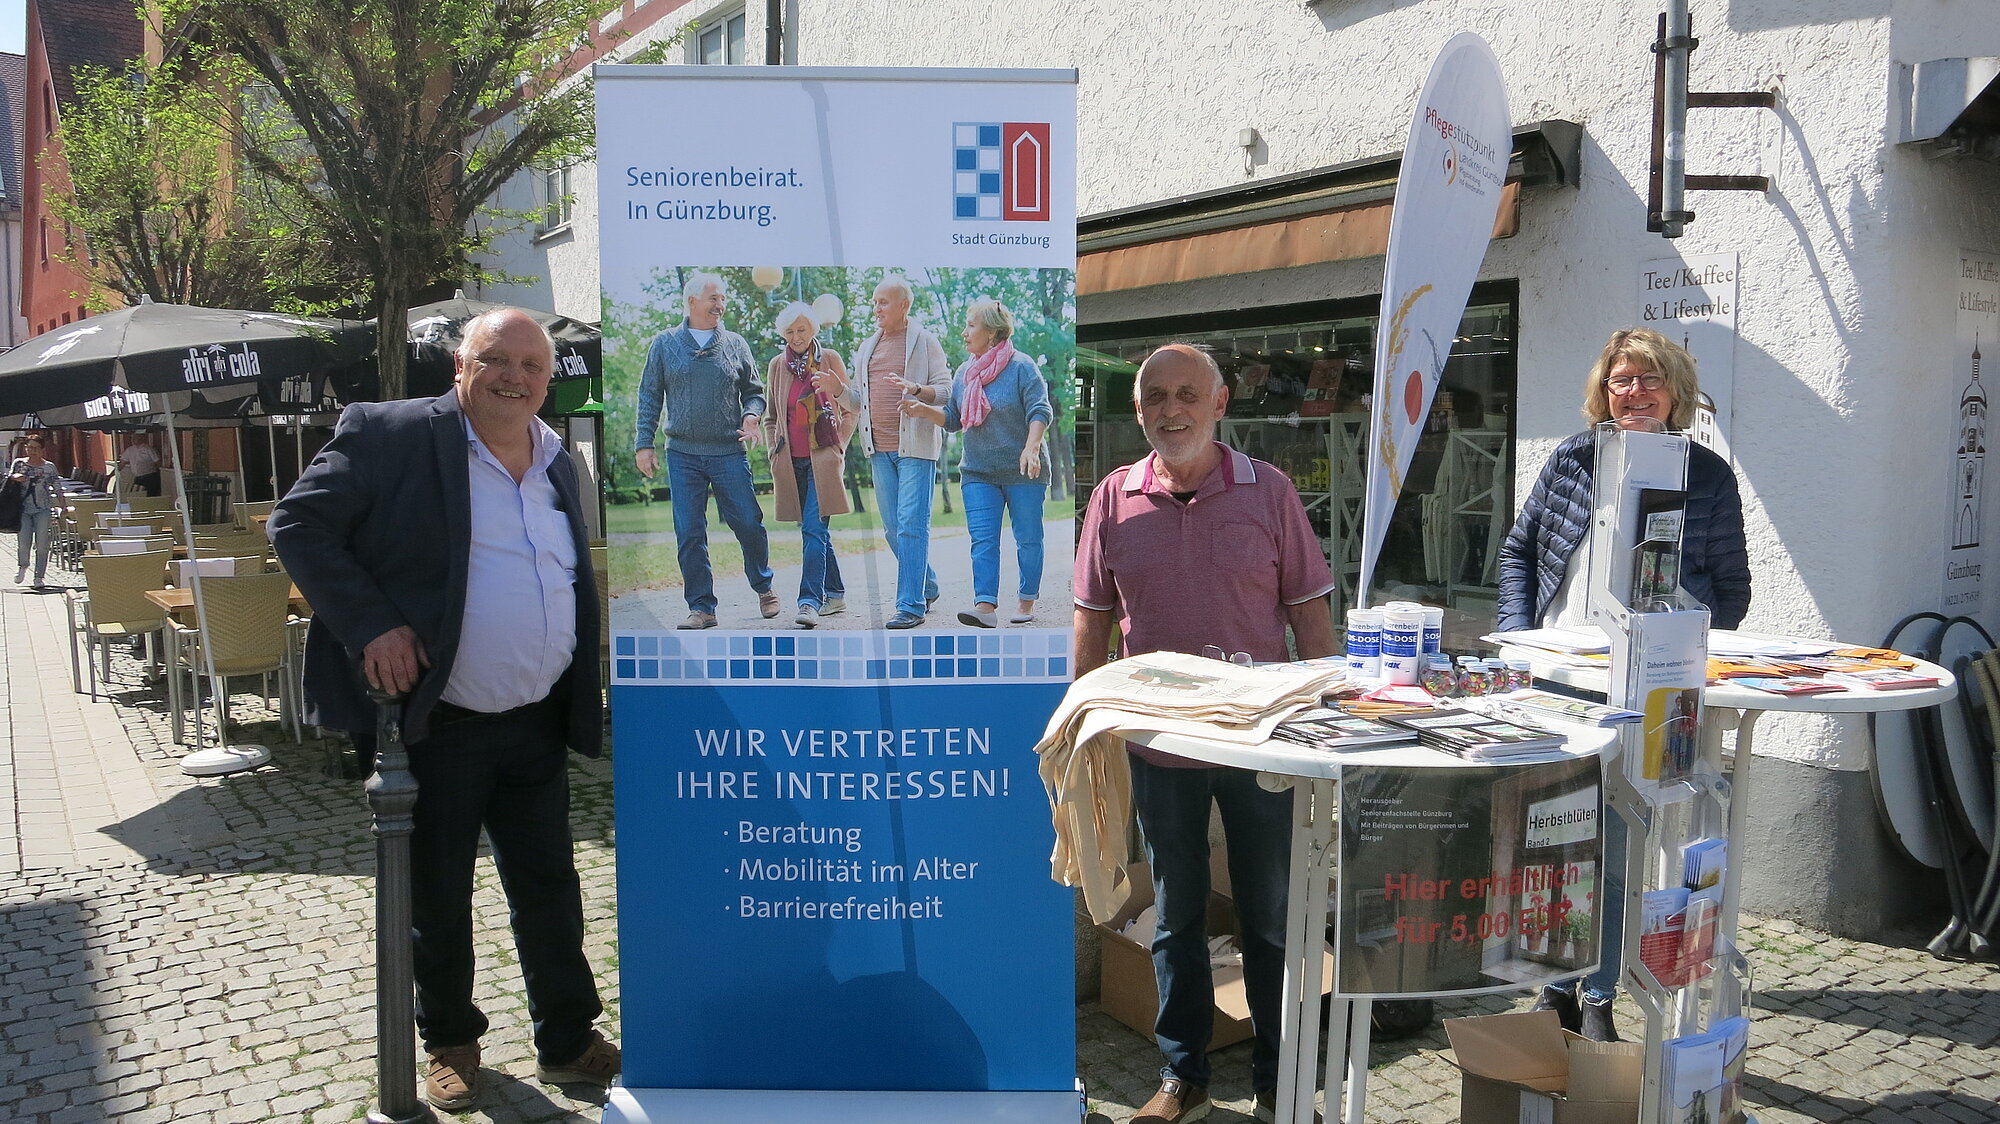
{"x": 1447, "y": 196}
{"x": 839, "y": 332}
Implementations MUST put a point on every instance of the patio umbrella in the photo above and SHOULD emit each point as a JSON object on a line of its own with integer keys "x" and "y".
{"x": 169, "y": 349}
{"x": 158, "y": 358}
{"x": 435, "y": 331}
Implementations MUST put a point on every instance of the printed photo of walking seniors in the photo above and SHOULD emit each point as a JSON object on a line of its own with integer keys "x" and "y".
{"x": 812, "y": 448}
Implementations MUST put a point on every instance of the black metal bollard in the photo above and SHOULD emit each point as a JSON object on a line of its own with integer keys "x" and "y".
{"x": 392, "y": 795}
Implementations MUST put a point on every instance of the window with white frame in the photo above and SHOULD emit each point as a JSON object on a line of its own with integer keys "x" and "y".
{"x": 553, "y": 196}
{"x": 718, "y": 40}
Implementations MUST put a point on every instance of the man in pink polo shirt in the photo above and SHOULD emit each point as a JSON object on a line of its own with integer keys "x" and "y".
{"x": 1197, "y": 544}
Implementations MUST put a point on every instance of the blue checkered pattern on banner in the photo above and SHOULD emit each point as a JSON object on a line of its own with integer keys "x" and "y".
{"x": 834, "y": 660}
{"x": 975, "y": 170}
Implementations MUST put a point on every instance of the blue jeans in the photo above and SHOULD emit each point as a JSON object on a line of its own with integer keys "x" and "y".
{"x": 34, "y": 534}
{"x": 1023, "y": 503}
{"x": 903, "y": 488}
{"x": 691, "y": 476}
{"x": 1257, "y": 826}
{"x": 1603, "y": 983}
{"x": 819, "y": 578}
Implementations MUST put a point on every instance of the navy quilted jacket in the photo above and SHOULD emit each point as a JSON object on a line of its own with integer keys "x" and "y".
{"x": 1715, "y": 563}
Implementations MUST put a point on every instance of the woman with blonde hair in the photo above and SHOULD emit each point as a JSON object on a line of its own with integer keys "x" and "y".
{"x": 1641, "y": 380}
{"x": 1000, "y": 402}
{"x": 813, "y": 411}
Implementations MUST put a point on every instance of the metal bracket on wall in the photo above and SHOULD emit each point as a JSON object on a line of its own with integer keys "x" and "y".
{"x": 1667, "y": 182}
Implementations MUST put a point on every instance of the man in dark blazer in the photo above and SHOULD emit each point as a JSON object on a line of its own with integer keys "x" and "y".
{"x": 441, "y": 545}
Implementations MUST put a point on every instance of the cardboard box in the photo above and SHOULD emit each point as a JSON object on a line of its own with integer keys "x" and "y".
{"x": 1524, "y": 1068}
{"x": 1127, "y": 990}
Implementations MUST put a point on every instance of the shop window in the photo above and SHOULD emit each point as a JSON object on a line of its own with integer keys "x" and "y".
{"x": 1301, "y": 379}
{"x": 718, "y": 39}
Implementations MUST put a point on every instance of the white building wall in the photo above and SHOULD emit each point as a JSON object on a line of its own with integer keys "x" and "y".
{"x": 559, "y": 271}
{"x": 1843, "y": 400}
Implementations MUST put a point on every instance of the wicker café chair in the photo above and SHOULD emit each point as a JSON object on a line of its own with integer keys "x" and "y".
{"x": 78, "y": 524}
{"x": 113, "y": 606}
{"x": 246, "y": 619}
{"x": 125, "y": 544}
{"x": 233, "y": 545}
{"x": 147, "y": 505}
{"x": 246, "y": 513}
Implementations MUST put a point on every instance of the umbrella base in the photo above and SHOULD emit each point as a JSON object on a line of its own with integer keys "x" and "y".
{"x": 221, "y": 760}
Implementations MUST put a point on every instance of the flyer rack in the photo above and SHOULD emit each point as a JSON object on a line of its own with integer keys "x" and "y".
{"x": 1680, "y": 960}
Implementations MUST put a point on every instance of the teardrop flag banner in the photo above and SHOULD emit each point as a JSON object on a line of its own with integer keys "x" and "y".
{"x": 1447, "y": 197}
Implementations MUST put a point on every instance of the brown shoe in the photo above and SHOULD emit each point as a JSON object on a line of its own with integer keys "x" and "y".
{"x": 698, "y": 619}
{"x": 597, "y": 1065}
{"x": 452, "y": 1080}
{"x": 1177, "y": 1102}
{"x": 767, "y": 602}
{"x": 1267, "y": 1108}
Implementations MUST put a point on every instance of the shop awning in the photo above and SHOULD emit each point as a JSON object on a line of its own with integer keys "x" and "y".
{"x": 1322, "y": 215}
{"x": 1953, "y": 106}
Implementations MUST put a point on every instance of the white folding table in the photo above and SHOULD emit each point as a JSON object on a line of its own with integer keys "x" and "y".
{"x": 1313, "y": 775}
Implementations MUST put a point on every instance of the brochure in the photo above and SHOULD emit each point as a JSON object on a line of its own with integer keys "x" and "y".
{"x": 1667, "y": 670}
{"x": 1703, "y": 863}
{"x": 1470, "y": 734}
{"x": 1790, "y": 685}
{"x": 1656, "y": 567}
{"x": 1322, "y": 728}
{"x": 1536, "y": 706}
{"x": 1883, "y": 679}
{"x": 1701, "y": 1075}
{"x": 1569, "y": 641}
{"x": 1663, "y": 917}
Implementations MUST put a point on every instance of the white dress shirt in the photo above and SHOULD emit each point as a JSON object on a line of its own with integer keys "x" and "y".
{"x": 519, "y": 628}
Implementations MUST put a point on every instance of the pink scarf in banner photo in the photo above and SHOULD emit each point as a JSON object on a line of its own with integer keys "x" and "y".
{"x": 978, "y": 377}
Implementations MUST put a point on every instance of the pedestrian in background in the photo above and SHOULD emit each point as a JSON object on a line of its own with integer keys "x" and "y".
{"x": 139, "y": 466}
{"x": 37, "y": 476}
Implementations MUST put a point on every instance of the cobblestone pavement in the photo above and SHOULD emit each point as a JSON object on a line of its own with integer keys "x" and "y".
{"x": 200, "y": 951}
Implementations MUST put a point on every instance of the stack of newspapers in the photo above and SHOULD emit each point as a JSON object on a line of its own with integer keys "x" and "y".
{"x": 1173, "y": 693}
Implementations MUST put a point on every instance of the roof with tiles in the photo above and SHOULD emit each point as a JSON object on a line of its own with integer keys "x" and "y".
{"x": 80, "y": 33}
{"x": 13, "y": 87}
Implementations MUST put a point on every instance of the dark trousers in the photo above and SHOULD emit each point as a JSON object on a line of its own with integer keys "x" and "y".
{"x": 1173, "y": 807}
{"x": 510, "y": 777}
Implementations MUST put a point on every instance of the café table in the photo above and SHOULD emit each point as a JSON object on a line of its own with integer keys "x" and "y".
{"x": 178, "y": 601}
{"x": 1728, "y": 706}
{"x": 1313, "y": 776}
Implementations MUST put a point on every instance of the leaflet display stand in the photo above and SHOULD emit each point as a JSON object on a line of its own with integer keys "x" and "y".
{"x": 1668, "y": 791}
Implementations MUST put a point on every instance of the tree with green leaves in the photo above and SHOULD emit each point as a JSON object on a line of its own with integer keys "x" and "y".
{"x": 395, "y": 121}
{"x": 156, "y": 200}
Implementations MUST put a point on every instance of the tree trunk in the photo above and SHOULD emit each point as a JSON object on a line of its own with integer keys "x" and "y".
{"x": 392, "y": 335}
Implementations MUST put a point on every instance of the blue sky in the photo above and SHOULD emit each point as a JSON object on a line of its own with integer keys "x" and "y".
{"x": 14, "y": 26}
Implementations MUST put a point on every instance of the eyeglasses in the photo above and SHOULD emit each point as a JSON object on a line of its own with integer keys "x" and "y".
{"x": 1623, "y": 384}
